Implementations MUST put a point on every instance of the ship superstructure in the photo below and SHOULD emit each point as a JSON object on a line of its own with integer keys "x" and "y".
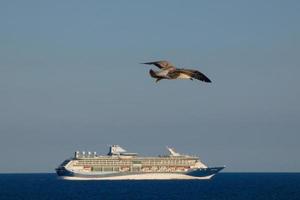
{"x": 119, "y": 164}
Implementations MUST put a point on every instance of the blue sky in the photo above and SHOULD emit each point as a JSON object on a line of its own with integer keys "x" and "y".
{"x": 70, "y": 79}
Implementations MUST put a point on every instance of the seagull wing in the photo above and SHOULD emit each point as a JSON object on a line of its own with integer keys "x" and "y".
{"x": 194, "y": 74}
{"x": 160, "y": 64}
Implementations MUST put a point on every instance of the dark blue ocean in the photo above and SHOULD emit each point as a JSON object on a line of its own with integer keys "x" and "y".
{"x": 240, "y": 186}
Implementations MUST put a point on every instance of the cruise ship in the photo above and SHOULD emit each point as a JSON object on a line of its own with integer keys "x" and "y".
{"x": 121, "y": 165}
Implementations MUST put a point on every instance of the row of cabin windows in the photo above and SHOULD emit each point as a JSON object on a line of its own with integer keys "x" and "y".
{"x": 135, "y": 161}
{"x": 129, "y": 163}
{"x": 138, "y": 162}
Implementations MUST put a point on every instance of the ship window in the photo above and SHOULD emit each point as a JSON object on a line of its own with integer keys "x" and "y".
{"x": 136, "y": 162}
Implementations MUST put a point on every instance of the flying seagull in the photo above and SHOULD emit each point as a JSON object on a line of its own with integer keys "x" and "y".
{"x": 169, "y": 71}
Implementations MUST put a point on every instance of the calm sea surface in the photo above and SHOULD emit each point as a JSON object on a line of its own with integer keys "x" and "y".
{"x": 224, "y": 186}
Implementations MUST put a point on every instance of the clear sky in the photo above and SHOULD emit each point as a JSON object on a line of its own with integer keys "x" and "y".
{"x": 70, "y": 79}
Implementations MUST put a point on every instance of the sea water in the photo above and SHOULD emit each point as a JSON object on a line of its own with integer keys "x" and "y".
{"x": 233, "y": 186}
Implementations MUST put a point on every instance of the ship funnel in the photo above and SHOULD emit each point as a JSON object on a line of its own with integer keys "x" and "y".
{"x": 116, "y": 150}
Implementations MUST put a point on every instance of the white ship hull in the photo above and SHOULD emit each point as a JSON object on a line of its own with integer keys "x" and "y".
{"x": 150, "y": 176}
